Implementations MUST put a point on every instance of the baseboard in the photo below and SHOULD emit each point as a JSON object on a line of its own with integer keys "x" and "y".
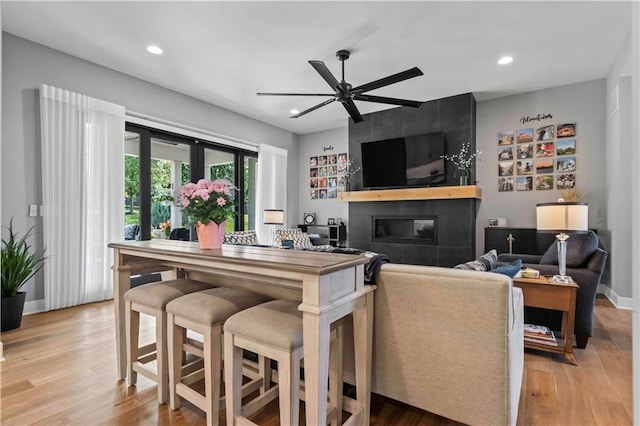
{"x": 618, "y": 302}
{"x": 33, "y": 307}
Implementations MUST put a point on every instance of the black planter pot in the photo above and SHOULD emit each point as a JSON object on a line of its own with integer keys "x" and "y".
{"x": 12, "y": 308}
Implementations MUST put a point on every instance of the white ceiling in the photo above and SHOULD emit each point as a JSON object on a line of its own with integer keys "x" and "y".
{"x": 225, "y": 52}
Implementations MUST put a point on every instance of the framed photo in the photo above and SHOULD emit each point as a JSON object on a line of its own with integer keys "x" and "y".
{"x": 566, "y": 164}
{"x": 545, "y": 133}
{"x": 544, "y": 182}
{"x": 566, "y": 181}
{"x": 566, "y": 130}
{"x": 342, "y": 158}
{"x": 505, "y": 138}
{"x": 505, "y": 184}
{"x": 524, "y": 167}
{"x": 524, "y": 183}
{"x": 331, "y": 221}
{"x": 566, "y": 147}
{"x": 524, "y": 151}
{"x": 493, "y": 222}
{"x": 544, "y": 149}
{"x": 505, "y": 168}
{"x": 313, "y": 161}
{"x": 332, "y": 159}
{"x": 505, "y": 153}
{"x": 544, "y": 166}
{"x": 524, "y": 135}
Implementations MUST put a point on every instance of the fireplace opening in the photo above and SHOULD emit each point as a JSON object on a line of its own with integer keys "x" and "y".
{"x": 405, "y": 229}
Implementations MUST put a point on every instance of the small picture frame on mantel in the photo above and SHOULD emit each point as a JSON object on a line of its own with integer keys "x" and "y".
{"x": 331, "y": 221}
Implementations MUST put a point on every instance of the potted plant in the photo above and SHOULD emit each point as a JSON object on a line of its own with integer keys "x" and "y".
{"x": 19, "y": 264}
{"x": 208, "y": 204}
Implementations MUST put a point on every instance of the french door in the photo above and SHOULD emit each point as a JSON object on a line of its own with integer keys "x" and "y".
{"x": 158, "y": 162}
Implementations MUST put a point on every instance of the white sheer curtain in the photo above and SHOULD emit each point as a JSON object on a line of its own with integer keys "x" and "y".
{"x": 82, "y": 194}
{"x": 271, "y": 186}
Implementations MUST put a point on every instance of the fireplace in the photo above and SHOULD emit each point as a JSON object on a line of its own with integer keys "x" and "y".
{"x": 404, "y": 229}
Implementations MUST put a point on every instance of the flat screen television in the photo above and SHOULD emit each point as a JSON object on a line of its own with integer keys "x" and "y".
{"x": 402, "y": 162}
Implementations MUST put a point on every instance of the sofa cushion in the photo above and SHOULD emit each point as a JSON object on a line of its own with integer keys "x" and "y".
{"x": 246, "y": 238}
{"x": 510, "y": 269}
{"x": 486, "y": 262}
{"x": 580, "y": 247}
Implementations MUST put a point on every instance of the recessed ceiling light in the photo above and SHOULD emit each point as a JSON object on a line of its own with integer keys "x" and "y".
{"x": 154, "y": 49}
{"x": 505, "y": 60}
{"x": 294, "y": 111}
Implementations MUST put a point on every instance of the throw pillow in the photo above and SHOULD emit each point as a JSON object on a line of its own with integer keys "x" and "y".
{"x": 580, "y": 247}
{"x": 485, "y": 262}
{"x": 509, "y": 269}
{"x": 245, "y": 238}
{"x": 300, "y": 239}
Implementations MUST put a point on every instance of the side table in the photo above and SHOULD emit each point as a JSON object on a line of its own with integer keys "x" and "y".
{"x": 544, "y": 293}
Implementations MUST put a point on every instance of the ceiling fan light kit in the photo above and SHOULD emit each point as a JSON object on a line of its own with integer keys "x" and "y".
{"x": 345, "y": 93}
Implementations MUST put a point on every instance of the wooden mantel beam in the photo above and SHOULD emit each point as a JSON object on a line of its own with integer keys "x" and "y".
{"x": 435, "y": 193}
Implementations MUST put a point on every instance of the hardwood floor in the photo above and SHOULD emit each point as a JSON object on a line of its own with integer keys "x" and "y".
{"x": 60, "y": 369}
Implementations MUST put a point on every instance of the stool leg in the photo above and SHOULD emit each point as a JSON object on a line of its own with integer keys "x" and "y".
{"x": 232, "y": 378}
{"x": 335, "y": 374}
{"x": 212, "y": 367}
{"x": 132, "y": 330}
{"x": 264, "y": 369}
{"x": 175, "y": 336}
{"x": 289, "y": 382}
{"x": 161, "y": 357}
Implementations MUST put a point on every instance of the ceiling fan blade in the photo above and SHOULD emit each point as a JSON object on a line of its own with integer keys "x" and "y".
{"x": 325, "y": 73}
{"x": 313, "y": 108}
{"x": 353, "y": 111}
{"x": 384, "y": 100}
{"x": 395, "y": 78}
{"x": 294, "y": 94}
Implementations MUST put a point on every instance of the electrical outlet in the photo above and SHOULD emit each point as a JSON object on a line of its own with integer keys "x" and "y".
{"x": 33, "y": 210}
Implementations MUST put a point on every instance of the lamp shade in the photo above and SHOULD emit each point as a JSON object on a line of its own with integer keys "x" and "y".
{"x": 562, "y": 217}
{"x": 273, "y": 217}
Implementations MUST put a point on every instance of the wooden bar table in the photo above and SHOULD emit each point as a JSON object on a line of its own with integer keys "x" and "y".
{"x": 330, "y": 286}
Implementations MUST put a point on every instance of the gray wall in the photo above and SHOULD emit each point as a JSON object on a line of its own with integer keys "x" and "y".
{"x": 583, "y": 103}
{"x": 26, "y": 65}
{"x": 619, "y": 170}
{"x": 311, "y": 145}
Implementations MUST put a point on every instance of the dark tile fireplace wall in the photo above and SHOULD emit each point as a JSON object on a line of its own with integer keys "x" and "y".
{"x": 456, "y": 230}
{"x": 455, "y": 116}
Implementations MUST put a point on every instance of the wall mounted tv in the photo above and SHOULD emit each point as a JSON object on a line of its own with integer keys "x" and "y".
{"x": 402, "y": 162}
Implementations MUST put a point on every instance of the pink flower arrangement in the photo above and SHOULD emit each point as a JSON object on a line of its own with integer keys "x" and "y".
{"x": 207, "y": 201}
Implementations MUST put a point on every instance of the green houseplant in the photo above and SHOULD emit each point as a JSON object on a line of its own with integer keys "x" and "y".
{"x": 19, "y": 264}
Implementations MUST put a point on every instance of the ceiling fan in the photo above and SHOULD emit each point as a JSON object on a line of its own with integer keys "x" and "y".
{"x": 346, "y": 94}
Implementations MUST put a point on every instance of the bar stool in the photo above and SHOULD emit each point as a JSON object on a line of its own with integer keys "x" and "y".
{"x": 274, "y": 330}
{"x": 152, "y": 299}
{"x": 203, "y": 312}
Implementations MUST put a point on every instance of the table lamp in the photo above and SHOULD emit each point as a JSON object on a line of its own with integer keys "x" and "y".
{"x": 272, "y": 217}
{"x": 561, "y": 216}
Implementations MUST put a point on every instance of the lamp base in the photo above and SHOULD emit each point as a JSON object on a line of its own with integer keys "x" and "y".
{"x": 565, "y": 279}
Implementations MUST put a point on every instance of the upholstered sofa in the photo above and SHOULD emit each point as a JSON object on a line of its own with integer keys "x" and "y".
{"x": 585, "y": 264}
{"x": 448, "y": 341}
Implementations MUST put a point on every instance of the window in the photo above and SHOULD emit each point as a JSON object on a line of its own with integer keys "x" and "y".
{"x": 158, "y": 162}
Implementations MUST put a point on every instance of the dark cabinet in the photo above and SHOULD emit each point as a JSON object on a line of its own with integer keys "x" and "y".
{"x": 335, "y": 235}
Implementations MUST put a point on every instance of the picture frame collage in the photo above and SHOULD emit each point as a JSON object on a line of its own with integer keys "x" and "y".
{"x": 327, "y": 175}
{"x": 537, "y": 158}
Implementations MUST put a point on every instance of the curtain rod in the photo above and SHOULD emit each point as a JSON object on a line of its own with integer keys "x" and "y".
{"x": 222, "y": 138}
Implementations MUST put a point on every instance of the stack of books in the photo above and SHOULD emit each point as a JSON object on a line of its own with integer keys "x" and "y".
{"x": 539, "y": 334}
{"x": 528, "y": 273}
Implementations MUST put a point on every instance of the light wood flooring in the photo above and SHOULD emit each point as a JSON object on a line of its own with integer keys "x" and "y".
{"x": 60, "y": 369}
